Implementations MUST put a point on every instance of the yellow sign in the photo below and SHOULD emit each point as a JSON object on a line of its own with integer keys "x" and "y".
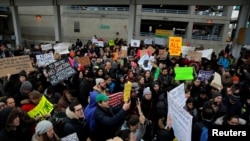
{"x": 164, "y": 32}
{"x": 175, "y": 44}
{"x": 42, "y": 108}
{"x": 127, "y": 91}
{"x": 111, "y": 42}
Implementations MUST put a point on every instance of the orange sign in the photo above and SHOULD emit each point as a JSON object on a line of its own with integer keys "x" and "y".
{"x": 175, "y": 44}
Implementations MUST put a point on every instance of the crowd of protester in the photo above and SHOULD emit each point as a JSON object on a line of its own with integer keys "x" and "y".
{"x": 81, "y": 103}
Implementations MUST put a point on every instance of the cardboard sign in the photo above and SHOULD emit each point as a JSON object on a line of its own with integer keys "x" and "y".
{"x": 124, "y": 51}
{"x": 59, "y": 71}
{"x": 70, "y": 137}
{"x": 175, "y": 44}
{"x": 44, "y": 59}
{"x": 216, "y": 82}
{"x": 13, "y": 65}
{"x": 183, "y": 73}
{"x": 84, "y": 60}
{"x": 143, "y": 52}
{"x": 42, "y": 108}
{"x": 46, "y": 46}
{"x": 194, "y": 55}
{"x": 151, "y": 49}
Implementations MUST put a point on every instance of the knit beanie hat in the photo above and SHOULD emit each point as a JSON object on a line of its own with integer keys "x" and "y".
{"x": 234, "y": 97}
{"x": 43, "y": 126}
{"x": 216, "y": 95}
{"x": 98, "y": 80}
{"x": 146, "y": 91}
{"x": 26, "y": 85}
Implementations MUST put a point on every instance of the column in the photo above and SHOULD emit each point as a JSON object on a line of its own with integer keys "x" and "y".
{"x": 192, "y": 10}
{"x": 57, "y": 17}
{"x": 242, "y": 21}
{"x": 131, "y": 22}
{"x": 16, "y": 25}
{"x": 189, "y": 31}
{"x": 137, "y": 27}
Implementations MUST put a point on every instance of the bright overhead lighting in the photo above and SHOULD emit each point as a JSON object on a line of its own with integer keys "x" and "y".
{"x": 4, "y": 16}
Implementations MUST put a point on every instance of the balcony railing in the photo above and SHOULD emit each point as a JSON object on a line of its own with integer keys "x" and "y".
{"x": 91, "y": 8}
{"x": 172, "y": 11}
{"x": 213, "y": 38}
{"x": 208, "y": 13}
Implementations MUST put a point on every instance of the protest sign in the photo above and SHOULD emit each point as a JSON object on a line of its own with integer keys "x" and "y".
{"x": 99, "y": 43}
{"x": 206, "y": 53}
{"x": 183, "y": 73}
{"x": 135, "y": 43}
{"x": 194, "y": 55}
{"x": 124, "y": 51}
{"x": 115, "y": 99}
{"x": 216, "y": 82}
{"x": 111, "y": 42}
{"x": 178, "y": 94}
{"x": 62, "y": 48}
{"x": 185, "y": 49}
{"x": 127, "y": 91}
{"x": 59, "y": 71}
{"x": 83, "y": 60}
{"x": 148, "y": 41}
{"x": 13, "y": 65}
{"x": 204, "y": 75}
{"x": 46, "y": 46}
{"x": 143, "y": 52}
{"x": 160, "y": 41}
{"x": 151, "y": 49}
{"x": 71, "y": 137}
{"x": 44, "y": 59}
{"x": 175, "y": 44}
{"x": 145, "y": 63}
{"x": 162, "y": 54}
{"x": 44, "y": 107}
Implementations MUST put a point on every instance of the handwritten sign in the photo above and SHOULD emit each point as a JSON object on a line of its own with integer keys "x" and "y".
{"x": 194, "y": 55}
{"x": 42, "y": 108}
{"x": 46, "y": 46}
{"x": 185, "y": 49}
{"x": 204, "y": 75}
{"x": 70, "y": 137}
{"x": 14, "y": 65}
{"x": 44, "y": 59}
{"x": 62, "y": 48}
{"x": 127, "y": 91}
{"x": 216, "y": 82}
{"x": 59, "y": 71}
{"x": 175, "y": 44}
{"x": 84, "y": 60}
{"x": 184, "y": 73}
{"x": 135, "y": 43}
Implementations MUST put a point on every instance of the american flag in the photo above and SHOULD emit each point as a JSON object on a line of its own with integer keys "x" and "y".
{"x": 115, "y": 99}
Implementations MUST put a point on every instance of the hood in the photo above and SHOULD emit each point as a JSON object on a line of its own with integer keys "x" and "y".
{"x": 70, "y": 114}
{"x": 7, "y": 115}
{"x": 92, "y": 102}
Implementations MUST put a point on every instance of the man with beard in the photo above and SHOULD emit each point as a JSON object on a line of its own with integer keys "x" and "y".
{"x": 100, "y": 86}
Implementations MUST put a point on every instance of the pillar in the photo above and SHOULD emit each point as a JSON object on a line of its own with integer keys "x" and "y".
{"x": 57, "y": 17}
{"x": 16, "y": 25}
{"x": 132, "y": 19}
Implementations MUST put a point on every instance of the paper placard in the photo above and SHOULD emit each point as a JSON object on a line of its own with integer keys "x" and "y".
{"x": 175, "y": 44}
{"x": 151, "y": 49}
{"x": 71, "y": 137}
{"x": 124, "y": 51}
{"x": 44, "y": 59}
{"x": 148, "y": 41}
{"x": 62, "y": 48}
{"x": 185, "y": 49}
{"x": 145, "y": 63}
{"x": 111, "y": 42}
{"x": 127, "y": 91}
{"x": 84, "y": 60}
{"x": 206, "y": 53}
{"x": 135, "y": 43}
{"x": 216, "y": 82}
{"x": 204, "y": 75}
{"x": 13, "y": 65}
{"x": 42, "y": 108}
{"x": 183, "y": 73}
{"x": 99, "y": 43}
{"x": 46, "y": 46}
{"x": 194, "y": 55}
{"x": 59, "y": 71}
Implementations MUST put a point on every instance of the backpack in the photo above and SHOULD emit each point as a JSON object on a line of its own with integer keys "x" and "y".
{"x": 204, "y": 132}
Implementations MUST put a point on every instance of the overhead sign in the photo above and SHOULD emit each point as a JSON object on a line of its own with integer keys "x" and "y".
{"x": 175, "y": 44}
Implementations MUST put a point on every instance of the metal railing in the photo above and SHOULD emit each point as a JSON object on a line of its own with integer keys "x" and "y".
{"x": 97, "y": 8}
{"x": 213, "y": 38}
{"x": 208, "y": 13}
{"x": 172, "y": 11}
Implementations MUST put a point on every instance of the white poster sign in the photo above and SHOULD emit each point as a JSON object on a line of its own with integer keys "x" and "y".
{"x": 46, "y": 46}
{"x": 62, "y": 48}
{"x": 100, "y": 43}
{"x": 135, "y": 43}
{"x": 148, "y": 41}
{"x": 178, "y": 94}
{"x": 185, "y": 49}
{"x": 44, "y": 59}
{"x": 71, "y": 137}
{"x": 145, "y": 63}
{"x": 206, "y": 53}
{"x": 160, "y": 41}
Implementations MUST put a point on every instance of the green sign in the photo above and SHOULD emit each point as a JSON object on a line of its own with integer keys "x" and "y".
{"x": 183, "y": 73}
{"x": 111, "y": 42}
{"x": 102, "y": 26}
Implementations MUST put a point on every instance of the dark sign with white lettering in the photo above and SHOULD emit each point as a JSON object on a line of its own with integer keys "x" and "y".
{"x": 59, "y": 71}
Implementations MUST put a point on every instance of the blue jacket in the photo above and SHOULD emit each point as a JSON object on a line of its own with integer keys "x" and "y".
{"x": 90, "y": 110}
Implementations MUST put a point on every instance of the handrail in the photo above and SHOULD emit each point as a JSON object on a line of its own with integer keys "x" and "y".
{"x": 173, "y": 11}
{"x": 97, "y": 8}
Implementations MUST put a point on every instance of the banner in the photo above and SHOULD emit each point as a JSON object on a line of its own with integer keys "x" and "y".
{"x": 62, "y": 48}
{"x": 13, "y": 65}
{"x": 127, "y": 91}
{"x": 71, "y": 137}
{"x": 44, "y": 59}
{"x": 204, "y": 75}
{"x": 135, "y": 43}
{"x": 84, "y": 60}
{"x": 42, "y": 108}
{"x": 59, "y": 71}
{"x": 115, "y": 99}
{"x": 175, "y": 44}
{"x": 183, "y": 73}
{"x": 46, "y": 46}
